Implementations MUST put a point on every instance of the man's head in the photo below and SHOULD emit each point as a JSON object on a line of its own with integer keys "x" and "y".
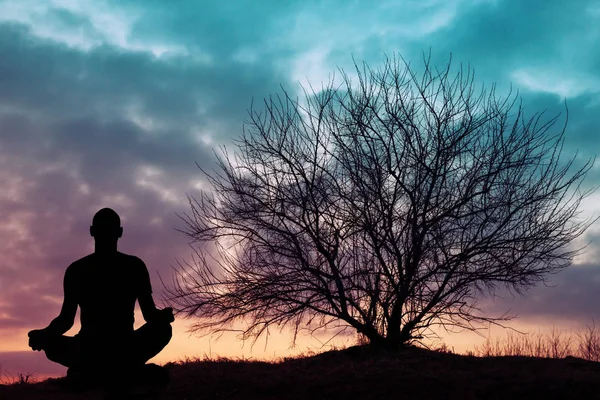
{"x": 106, "y": 226}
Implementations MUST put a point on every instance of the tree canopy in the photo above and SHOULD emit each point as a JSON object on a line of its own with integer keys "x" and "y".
{"x": 387, "y": 204}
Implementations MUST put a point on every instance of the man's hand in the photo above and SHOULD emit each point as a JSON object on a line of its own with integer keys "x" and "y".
{"x": 165, "y": 315}
{"x": 38, "y": 339}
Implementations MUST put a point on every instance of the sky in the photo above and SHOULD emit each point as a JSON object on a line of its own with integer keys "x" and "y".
{"x": 111, "y": 103}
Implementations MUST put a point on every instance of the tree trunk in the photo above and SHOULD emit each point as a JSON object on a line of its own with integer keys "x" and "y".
{"x": 398, "y": 337}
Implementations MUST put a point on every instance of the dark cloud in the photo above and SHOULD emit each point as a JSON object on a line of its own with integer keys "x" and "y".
{"x": 502, "y": 35}
{"x": 106, "y": 84}
{"x": 570, "y": 295}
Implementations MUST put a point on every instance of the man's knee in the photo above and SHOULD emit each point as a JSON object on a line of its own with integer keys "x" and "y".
{"x": 53, "y": 348}
{"x": 52, "y": 353}
{"x": 58, "y": 349}
{"x": 150, "y": 339}
{"x": 165, "y": 333}
{"x": 161, "y": 331}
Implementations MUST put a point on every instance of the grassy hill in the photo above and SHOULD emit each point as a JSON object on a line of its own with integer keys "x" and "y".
{"x": 362, "y": 373}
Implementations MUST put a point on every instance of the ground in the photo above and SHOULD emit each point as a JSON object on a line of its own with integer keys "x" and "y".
{"x": 361, "y": 373}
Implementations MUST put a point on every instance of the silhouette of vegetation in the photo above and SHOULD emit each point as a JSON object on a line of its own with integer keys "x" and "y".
{"x": 387, "y": 204}
{"x": 584, "y": 344}
{"x": 21, "y": 378}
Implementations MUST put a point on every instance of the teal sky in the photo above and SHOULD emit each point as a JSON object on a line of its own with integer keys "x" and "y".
{"x": 111, "y": 103}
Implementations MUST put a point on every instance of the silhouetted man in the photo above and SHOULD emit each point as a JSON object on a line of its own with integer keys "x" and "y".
{"x": 105, "y": 285}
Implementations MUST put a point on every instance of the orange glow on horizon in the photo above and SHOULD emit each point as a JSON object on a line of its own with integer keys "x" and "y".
{"x": 186, "y": 345}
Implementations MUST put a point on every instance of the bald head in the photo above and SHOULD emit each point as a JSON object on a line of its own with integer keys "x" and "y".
{"x": 106, "y": 217}
{"x": 106, "y": 226}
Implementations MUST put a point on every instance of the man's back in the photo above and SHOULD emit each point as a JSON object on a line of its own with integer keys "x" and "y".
{"x": 106, "y": 287}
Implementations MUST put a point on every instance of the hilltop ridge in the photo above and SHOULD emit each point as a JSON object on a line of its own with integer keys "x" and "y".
{"x": 360, "y": 372}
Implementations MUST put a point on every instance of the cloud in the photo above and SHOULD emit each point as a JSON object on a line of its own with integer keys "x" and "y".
{"x": 553, "y": 81}
{"x": 84, "y": 25}
{"x": 570, "y": 295}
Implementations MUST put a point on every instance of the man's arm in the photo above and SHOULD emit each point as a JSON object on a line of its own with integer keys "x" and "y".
{"x": 144, "y": 296}
{"x": 66, "y": 318}
{"x": 61, "y": 324}
{"x": 149, "y": 310}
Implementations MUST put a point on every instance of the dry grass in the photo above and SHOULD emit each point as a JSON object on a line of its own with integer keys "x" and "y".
{"x": 7, "y": 378}
{"x": 551, "y": 366}
{"x": 583, "y": 344}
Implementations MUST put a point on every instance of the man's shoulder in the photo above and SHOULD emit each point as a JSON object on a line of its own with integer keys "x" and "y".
{"x": 131, "y": 258}
{"x": 133, "y": 261}
{"x": 77, "y": 264}
{"x": 90, "y": 259}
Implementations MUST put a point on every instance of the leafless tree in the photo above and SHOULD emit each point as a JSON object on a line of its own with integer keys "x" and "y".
{"x": 385, "y": 203}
